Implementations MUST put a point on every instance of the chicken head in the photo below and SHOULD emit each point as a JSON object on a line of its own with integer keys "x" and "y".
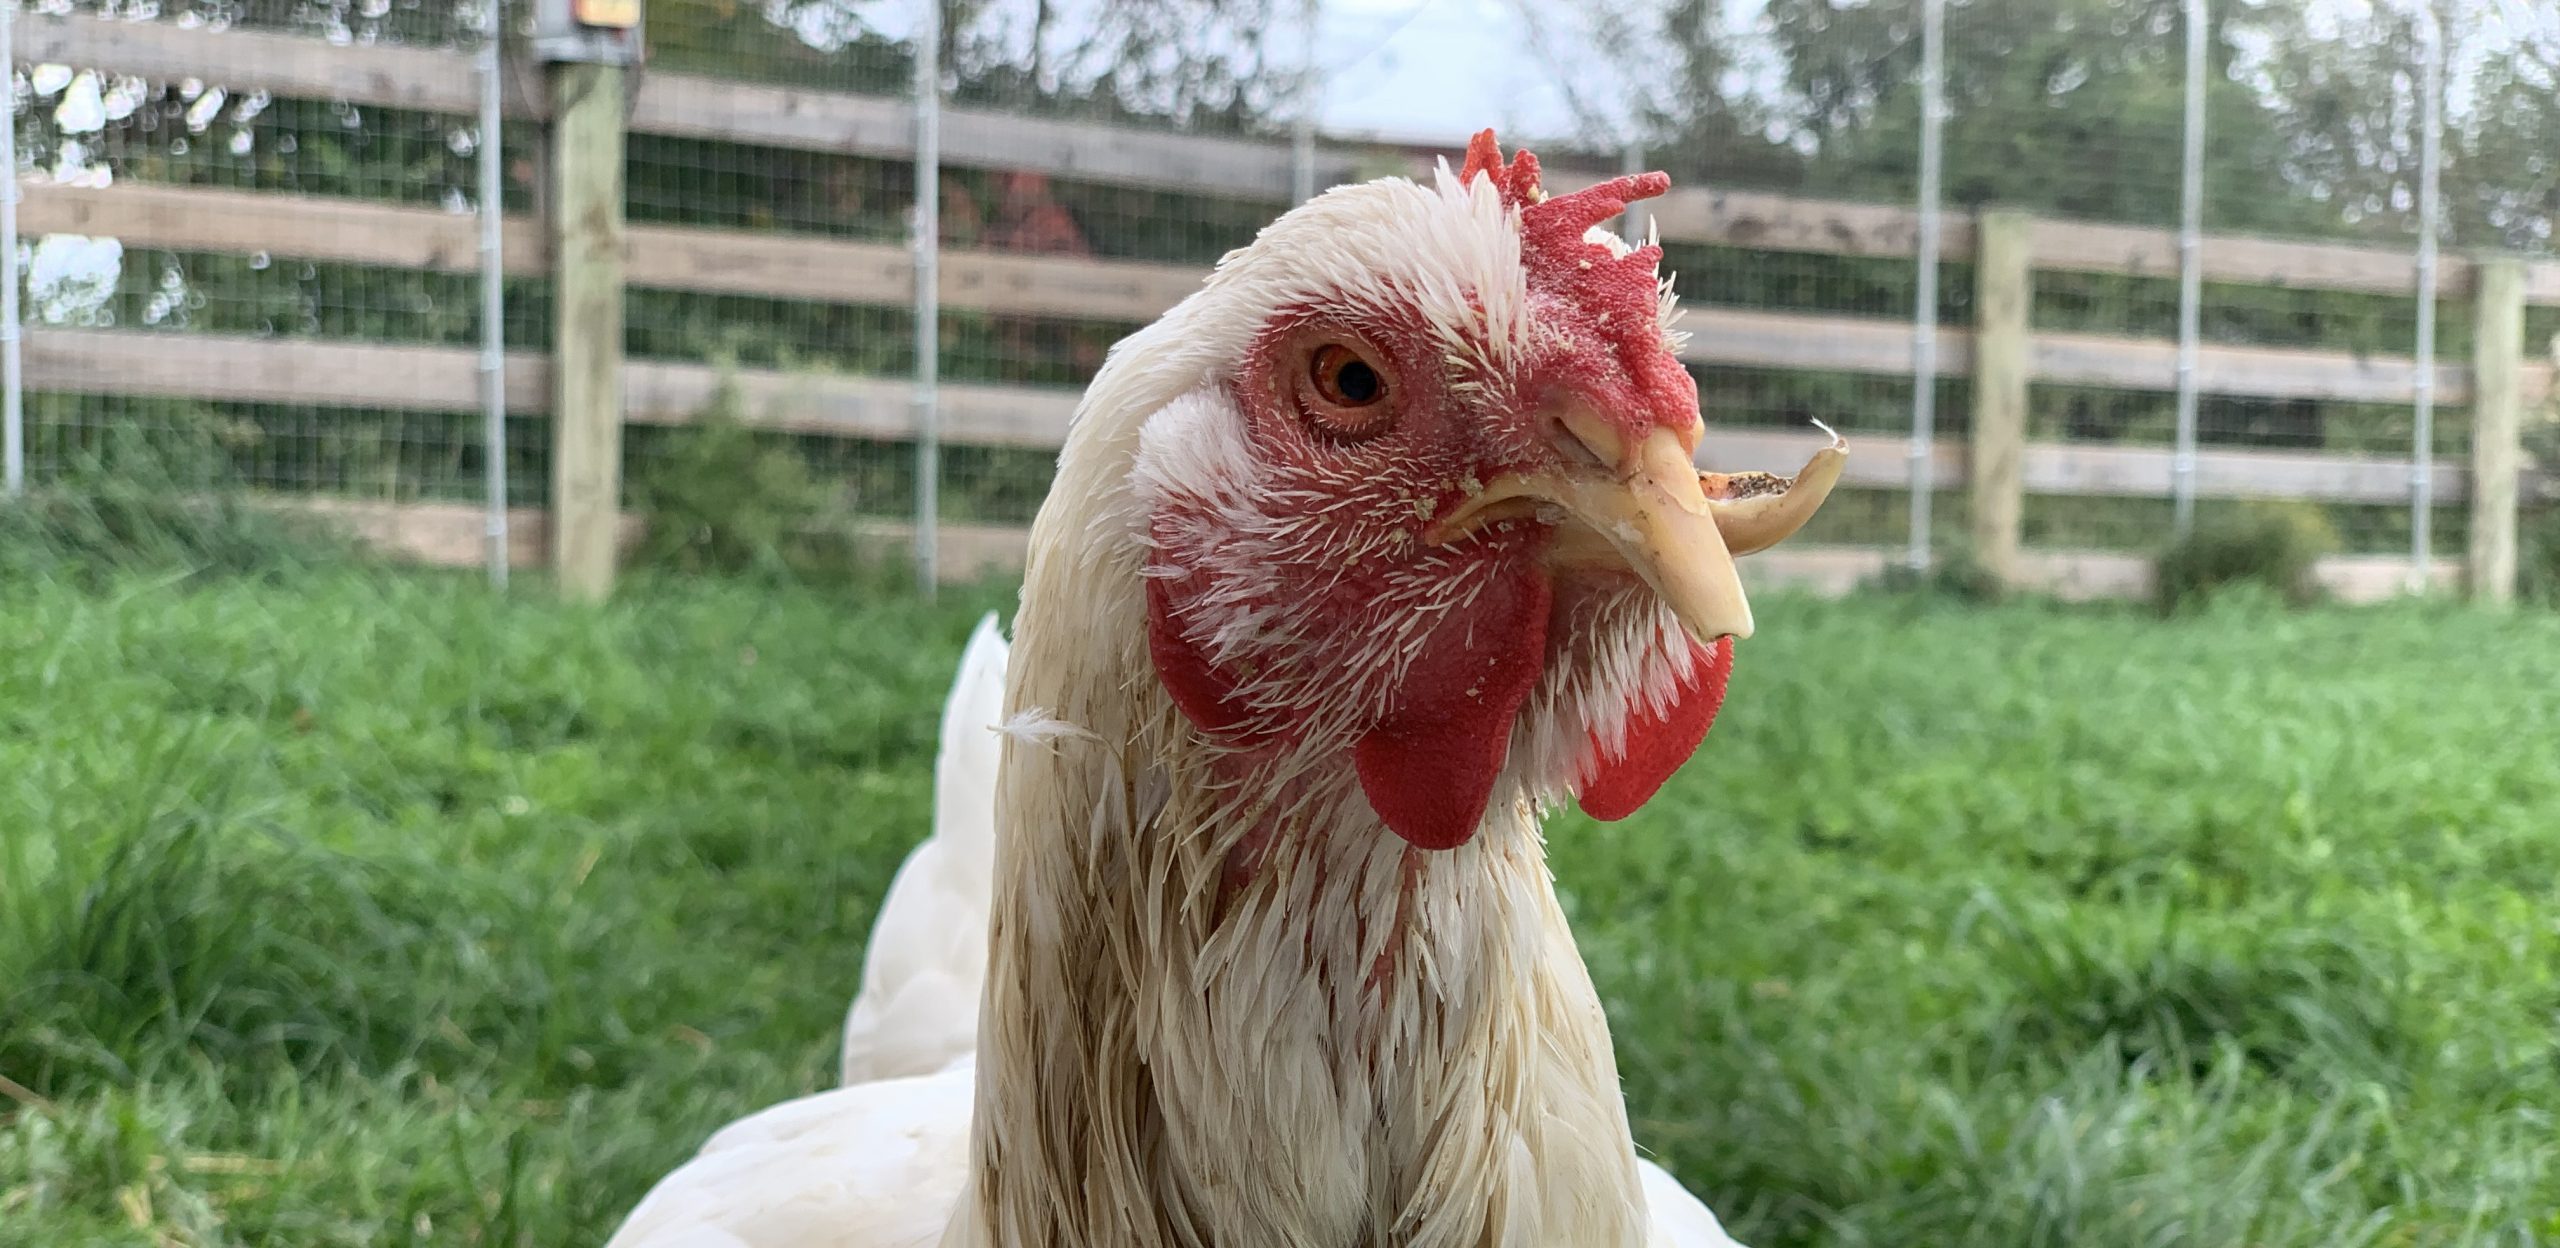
{"x": 1442, "y": 512}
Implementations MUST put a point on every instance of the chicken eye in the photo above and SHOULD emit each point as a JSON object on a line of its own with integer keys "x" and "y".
{"x": 1346, "y": 379}
{"x": 1343, "y": 394}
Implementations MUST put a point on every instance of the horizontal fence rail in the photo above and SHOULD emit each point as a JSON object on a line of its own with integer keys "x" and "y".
{"x": 439, "y": 379}
{"x": 782, "y": 266}
{"x": 450, "y": 535}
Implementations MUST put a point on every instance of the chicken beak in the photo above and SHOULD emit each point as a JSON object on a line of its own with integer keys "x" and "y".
{"x": 1647, "y": 509}
{"x": 1758, "y": 510}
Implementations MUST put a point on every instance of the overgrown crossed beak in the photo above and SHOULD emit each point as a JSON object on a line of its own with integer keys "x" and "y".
{"x": 1646, "y": 508}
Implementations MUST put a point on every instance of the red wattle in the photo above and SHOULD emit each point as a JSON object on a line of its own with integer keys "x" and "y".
{"x": 1199, "y": 689}
{"x": 1658, "y": 742}
{"x": 1428, "y": 768}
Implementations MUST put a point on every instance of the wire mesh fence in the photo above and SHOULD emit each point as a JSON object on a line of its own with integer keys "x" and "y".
{"x": 136, "y": 364}
{"x": 785, "y": 128}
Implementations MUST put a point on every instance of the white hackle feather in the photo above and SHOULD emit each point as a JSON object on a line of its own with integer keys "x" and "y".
{"x": 1361, "y": 1045}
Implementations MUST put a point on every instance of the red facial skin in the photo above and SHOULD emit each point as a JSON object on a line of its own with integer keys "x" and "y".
{"x": 1421, "y": 657}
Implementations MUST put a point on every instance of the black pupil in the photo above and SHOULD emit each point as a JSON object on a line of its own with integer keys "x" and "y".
{"x": 1357, "y": 382}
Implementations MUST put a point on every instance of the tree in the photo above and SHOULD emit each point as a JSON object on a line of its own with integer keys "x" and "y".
{"x": 1667, "y": 84}
{"x": 1215, "y": 65}
{"x": 2345, "y": 90}
{"x": 2070, "y": 106}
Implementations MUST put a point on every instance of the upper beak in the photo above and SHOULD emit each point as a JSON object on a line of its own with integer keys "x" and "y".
{"x": 1647, "y": 509}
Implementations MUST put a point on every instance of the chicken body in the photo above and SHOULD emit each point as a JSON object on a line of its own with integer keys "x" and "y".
{"x": 1262, "y": 938}
{"x": 880, "y": 1162}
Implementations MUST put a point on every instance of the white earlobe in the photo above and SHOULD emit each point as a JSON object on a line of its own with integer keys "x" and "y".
{"x": 1194, "y": 447}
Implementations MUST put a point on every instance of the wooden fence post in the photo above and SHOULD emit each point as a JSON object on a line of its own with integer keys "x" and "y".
{"x": 586, "y": 361}
{"x": 2003, "y": 294}
{"x": 2497, "y": 425}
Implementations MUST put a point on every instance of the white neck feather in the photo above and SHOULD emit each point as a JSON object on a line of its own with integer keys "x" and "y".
{"x": 1355, "y": 1044}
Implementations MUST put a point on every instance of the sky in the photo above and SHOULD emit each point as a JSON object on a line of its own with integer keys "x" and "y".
{"x": 1433, "y": 69}
{"x": 1438, "y": 70}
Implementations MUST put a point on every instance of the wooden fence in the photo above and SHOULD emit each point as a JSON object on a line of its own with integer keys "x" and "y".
{"x": 2001, "y": 352}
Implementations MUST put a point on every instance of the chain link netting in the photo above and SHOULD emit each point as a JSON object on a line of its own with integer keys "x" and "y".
{"x": 199, "y": 407}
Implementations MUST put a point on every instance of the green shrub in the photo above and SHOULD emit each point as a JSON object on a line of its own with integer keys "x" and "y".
{"x": 725, "y": 498}
{"x": 126, "y": 511}
{"x": 1954, "y": 573}
{"x": 2274, "y": 546}
{"x": 2538, "y": 560}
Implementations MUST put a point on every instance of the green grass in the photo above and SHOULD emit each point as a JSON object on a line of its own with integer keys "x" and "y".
{"x": 340, "y": 907}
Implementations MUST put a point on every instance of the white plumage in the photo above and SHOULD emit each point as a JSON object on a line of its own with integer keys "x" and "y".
{"x": 1144, "y": 990}
{"x": 917, "y": 1012}
{"x": 878, "y": 1165}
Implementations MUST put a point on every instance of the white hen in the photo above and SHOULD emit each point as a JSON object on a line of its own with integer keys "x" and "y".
{"x": 1355, "y": 561}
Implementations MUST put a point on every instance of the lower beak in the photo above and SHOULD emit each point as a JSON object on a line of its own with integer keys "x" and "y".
{"x": 1647, "y": 509}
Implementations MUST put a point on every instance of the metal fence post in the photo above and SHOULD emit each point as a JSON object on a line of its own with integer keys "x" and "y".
{"x": 928, "y": 254}
{"x": 1924, "y": 302}
{"x": 1302, "y": 129}
{"x": 2182, "y": 463}
{"x": 1631, "y": 227}
{"x": 493, "y": 303}
{"x": 2422, "y": 482}
{"x": 13, "y": 403}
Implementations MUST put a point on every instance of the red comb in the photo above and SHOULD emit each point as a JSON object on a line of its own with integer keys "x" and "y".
{"x": 1618, "y": 292}
{"x": 1517, "y": 184}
